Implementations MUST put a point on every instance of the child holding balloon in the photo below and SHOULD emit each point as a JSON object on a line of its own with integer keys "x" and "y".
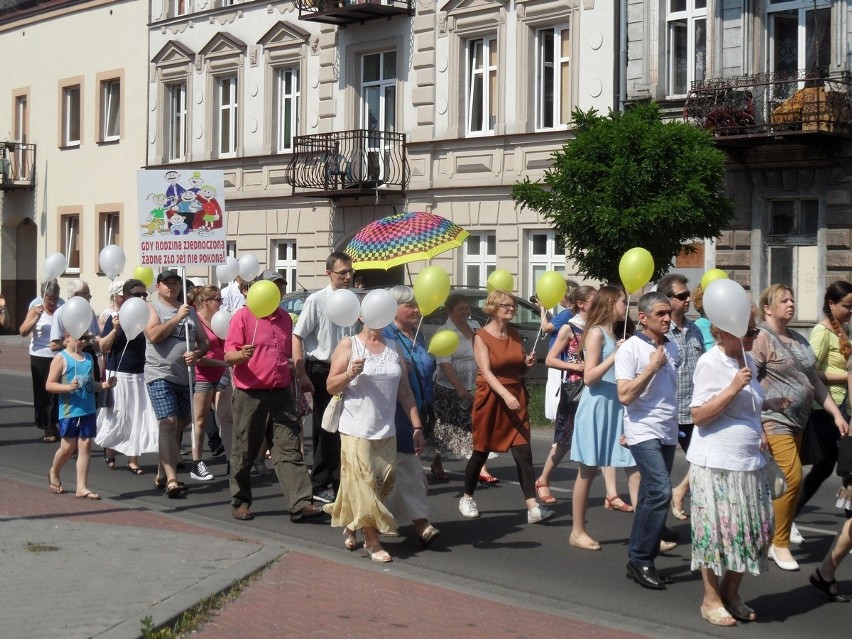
{"x": 71, "y": 377}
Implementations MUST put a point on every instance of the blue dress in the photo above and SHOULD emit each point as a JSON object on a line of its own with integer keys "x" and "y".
{"x": 599, "y": 421}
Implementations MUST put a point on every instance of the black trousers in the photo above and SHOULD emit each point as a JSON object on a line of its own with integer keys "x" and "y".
{"x": 325, "y": 471}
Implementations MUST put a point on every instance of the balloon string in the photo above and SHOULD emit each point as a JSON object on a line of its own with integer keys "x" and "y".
{"x": 742, "y": 346}
{"x": 535, "y": 343}
{"x": 626, "y": 317}
{"x": 417, "y": 332}
{"x": 256, "y": 322}
{"x": 122, "y": 355}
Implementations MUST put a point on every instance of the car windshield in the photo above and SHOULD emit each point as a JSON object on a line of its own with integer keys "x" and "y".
{"x": 527, "y": 316}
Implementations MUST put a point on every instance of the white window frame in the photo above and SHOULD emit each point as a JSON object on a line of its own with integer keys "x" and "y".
{"x": 285, "y": 255}
{"x": 483, "y": 77}
{"x": 111, "y": 110}
{"x": 71, "y": 241}
{"x": 71, "y": 110}
{"x": 287, "y": 101}
{"x": 692, "y": 16}
{"x": 550, "y": 260}
{"x": 802, "y": 7}
{"x": 181, "y": 7}
{"x": 482, "y": 260}
{"x": 558, "y": 70}
{"x": 175, "y": 125}
{"x": 227, "y": 111}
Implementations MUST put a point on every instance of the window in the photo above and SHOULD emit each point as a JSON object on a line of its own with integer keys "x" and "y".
{"x": 231, "y": 248}
{"x": 285, "y": 261}
{"x": 792, "y": 252}
{"x": 175, "y": 128}
{"x": 481, "y": 86}
{"x": 378, "y": 111}
{"x": 108, "y": 229}
{"x": 546, "y": 252}
{"x": 71, "y": 241}
{"x": 71, "y": 115}
{"x": 21, "y": 160}
{"x": 181, "y": 7}
{"x": 686, "y": 44}
{"x": 553, "y": 78}
{"x": 800, "y": 35}
{"x": 110, "y": 110}
{"x": 286, "y": 121}
{"x": 479, "y": 258}
{"x": 226, "y": 121}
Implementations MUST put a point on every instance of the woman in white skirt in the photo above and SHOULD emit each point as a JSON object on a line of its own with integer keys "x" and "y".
{"x": 369, "y": 374}
{"x": 732, "y": 516}
{"x": 127, "y": 423}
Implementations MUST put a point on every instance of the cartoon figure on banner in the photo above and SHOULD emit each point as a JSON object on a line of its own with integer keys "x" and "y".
{"x": 211, "y": 212}
{"x": 187, "y": 208}
{"x": 195, "y": 182}
{"x": 174, "y": 190}
{"x": 177, "y": 225}
{"x": 157, "y": 217}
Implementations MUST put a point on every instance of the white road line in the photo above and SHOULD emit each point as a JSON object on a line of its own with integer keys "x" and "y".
{"x": 16, "y": 401}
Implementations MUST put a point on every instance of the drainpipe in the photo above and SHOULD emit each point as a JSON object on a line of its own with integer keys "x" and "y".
{"x": 621, "y": 67}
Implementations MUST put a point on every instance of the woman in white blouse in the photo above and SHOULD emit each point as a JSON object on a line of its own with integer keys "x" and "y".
{"x": 732, "y": 516}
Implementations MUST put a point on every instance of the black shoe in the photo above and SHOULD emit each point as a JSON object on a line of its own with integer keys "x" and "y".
{"x": 670, "y": 535}
{"x": 645, "y": 576}
{"x": 219, "y": 450}
{"x": 306, "y": 513}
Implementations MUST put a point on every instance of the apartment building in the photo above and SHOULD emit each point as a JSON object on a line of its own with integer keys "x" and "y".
{"x": 328, "y": 114}
{"x": 770, "y": 80}
{"x": 73, "y": 97}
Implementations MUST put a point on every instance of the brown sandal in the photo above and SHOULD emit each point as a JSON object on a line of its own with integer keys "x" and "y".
{"x": 542, "y": 491}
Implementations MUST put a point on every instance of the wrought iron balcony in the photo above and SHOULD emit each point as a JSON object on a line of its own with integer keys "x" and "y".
{"x": 349, "y": 163}
{"x": 772, "y": 104}
{"x": 17, "y": 165}
{"x": 343, "y": 12}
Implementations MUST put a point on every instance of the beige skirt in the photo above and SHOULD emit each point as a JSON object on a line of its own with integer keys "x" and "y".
{"x": 366, "y": 479}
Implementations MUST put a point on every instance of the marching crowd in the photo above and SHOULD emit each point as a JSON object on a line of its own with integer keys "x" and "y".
{"x": 621, "y": 394}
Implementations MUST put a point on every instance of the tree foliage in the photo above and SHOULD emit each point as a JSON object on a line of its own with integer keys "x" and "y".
{"x": 631, "y": 180}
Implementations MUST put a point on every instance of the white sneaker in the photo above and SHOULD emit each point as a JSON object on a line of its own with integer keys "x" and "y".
{"x": 538, "y": 514}
{"x": 792, "y": 564}
{"x": 467, "y": 507}
{"x": 796, "y": 536}
{"x": 199, "y": 471}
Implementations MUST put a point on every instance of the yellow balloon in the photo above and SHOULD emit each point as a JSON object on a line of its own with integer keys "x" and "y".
{"x": 712, "y": 275}
{"x": 443, "y": 343}
{"x": 550, "y": 289}
{"x": 635, "y": 269}
{"x": 431, "y": 288}
{"x": 500, "y": 280}
{"x": 145, "y": 275}
{"x": 263, "y": 298}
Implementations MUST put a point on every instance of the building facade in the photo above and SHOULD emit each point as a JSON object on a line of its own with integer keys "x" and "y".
{"x": 769, "y": 79}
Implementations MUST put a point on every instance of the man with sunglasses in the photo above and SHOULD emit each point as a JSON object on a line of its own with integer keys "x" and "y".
{"x": 316, "y": 337}
{"x": 690, "y": 342}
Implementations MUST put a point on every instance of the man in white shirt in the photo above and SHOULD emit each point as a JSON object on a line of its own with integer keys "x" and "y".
{"x": 315, "y": 338}
{"x": 232, "y": 299}
{"x": 646, "y": 374}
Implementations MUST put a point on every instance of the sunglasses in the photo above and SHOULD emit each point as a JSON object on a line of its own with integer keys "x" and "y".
{"x": 752, "y": 332}
{"x": 143, "y": 295}
{"x": 682, "y": 296}
{"x": 344, "y": 273}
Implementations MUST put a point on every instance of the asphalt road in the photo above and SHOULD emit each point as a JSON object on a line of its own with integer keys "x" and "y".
{"x": 499, "y": 554}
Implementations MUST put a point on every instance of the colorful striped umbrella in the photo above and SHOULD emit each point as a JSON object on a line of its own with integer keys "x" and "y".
{"x": 402, "y": 238}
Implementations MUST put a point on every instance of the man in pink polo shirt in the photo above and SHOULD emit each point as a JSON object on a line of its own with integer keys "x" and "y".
{"x": 260, "y": 352}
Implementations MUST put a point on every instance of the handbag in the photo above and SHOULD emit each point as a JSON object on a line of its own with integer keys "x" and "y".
{"x": 774, "y": 476}
{"x": 331, "y": 414}
{"x": 844, "y": 456}
{"x": 569, "y": 397}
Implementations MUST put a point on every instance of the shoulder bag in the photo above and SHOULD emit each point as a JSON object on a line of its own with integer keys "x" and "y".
{"x": 774, "y": 476}
{"x": 844, "y": 456}
{"x": 331, "y": 415}
{"x": 569, "y": 392}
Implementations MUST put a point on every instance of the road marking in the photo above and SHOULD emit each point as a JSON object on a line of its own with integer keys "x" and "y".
{"x": 16, "y": 401}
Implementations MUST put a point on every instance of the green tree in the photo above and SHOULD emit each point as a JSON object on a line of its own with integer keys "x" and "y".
{"x": 628, "y": 180}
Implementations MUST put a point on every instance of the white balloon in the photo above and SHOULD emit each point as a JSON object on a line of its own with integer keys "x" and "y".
{"x": 220, "y": 322}
{"x": 249, "y": 267}
{"x": 728, "y": 306}
{"x": 226, "y": 272}
{"x": 378, "y": 309}
{"x": 55, "y": 265}
{"x": 112, "y": 260}
{"x": 77, "y": 316}
{"x": 222, "y": 274}
{"x": 343, "y": 307}
{"x": 133, "y": 316}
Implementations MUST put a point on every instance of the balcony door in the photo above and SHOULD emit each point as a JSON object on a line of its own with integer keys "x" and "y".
{"x": 378, "y": 113}
{"x": 20, "y": 168}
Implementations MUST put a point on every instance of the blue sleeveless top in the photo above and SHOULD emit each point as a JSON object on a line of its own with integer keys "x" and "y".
{"x": 82, "y": 401}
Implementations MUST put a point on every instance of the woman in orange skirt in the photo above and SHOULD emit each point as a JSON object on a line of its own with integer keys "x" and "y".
{"x": 500, "y": 421}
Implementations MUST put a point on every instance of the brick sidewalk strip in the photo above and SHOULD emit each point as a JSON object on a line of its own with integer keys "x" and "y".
{"x": 305, "y": 596}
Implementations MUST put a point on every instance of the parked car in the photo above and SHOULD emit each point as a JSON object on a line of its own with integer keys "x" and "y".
{"x": 295, "y": 301}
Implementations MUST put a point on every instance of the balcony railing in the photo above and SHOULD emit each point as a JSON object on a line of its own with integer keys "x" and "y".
{"x": 343, "y": 12}
{"x": 349, "y": 163}
{"x": 17, "y": 165}
{"x": 772, "y": 104}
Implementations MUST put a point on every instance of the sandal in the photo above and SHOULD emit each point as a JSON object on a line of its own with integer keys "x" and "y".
{"x": 828, "y": 588}
{"x": 438, "y": 472}
{"x": 160, "y": 482}
{"x": 173, "y": 489}
{"x": 135, "y": 470}
{"x": 89, "y": 495}
{"x": 679, "y": 513}
{"x": 609, "y": 504}
{"x": 350, "y": 540}
{"x": 110, "y": 461}
{"x": 718, "y": 616}
{"x": 739, "y": 610}
{"x": 56, "y": 488}
{"x": 429, "y": 535}
{"x": 542, "y": 491}
{"x": 381, "y": 555}
{"x": 488, "y": 480}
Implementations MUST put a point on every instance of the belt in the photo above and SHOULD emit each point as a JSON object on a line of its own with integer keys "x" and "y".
{"x": 318, "y": 363}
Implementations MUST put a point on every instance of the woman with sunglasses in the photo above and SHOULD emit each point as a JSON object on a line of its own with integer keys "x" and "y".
{"x": 500, "y": 420}
{"x": 787, "y": 370}
{"x": 128, "y": 425}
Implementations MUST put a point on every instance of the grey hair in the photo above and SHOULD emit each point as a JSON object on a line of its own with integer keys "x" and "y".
{"x": 50, "y": 289}
{"x": 75, "y": 286}
{"x": 649, "y": 300}
{"x": 402, "y": 294}
{"x": 666, "y": 284}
